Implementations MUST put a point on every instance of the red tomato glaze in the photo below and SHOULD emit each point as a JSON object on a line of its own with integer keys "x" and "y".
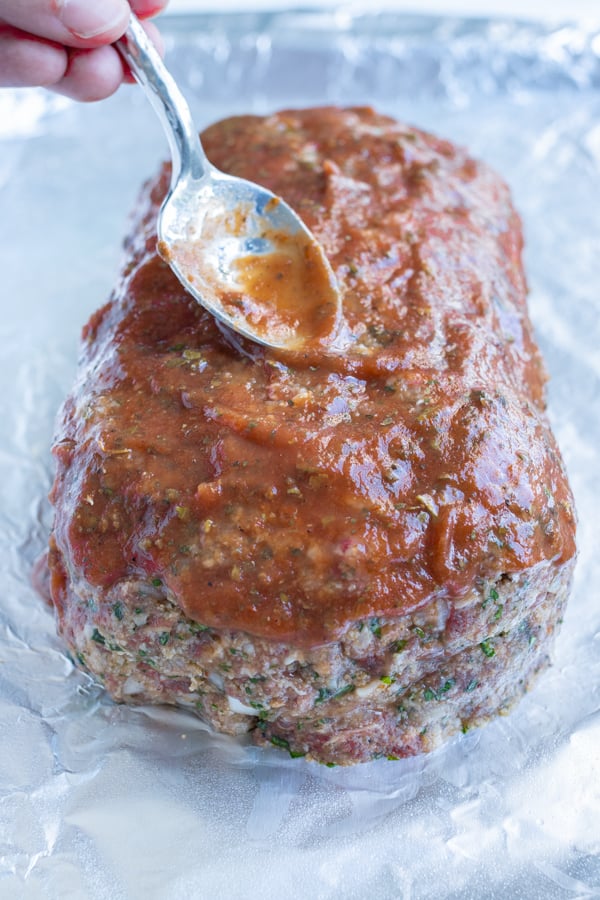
{"x": 291, "y": 495}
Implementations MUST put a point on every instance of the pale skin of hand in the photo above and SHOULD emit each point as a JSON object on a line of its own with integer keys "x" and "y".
{"x": 65, "y": 45}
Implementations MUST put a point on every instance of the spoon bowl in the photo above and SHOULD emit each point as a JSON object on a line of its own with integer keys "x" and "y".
{"x": 239, "y": 249}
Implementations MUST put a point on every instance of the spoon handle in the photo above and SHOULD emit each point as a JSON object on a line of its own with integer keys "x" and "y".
{"x": 168, "y": 102}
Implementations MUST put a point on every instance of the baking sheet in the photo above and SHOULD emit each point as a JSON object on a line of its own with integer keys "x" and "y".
{"x": 101, "y": 801}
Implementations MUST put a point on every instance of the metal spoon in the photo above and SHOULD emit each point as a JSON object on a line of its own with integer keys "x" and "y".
{"x": 237, "y": 248}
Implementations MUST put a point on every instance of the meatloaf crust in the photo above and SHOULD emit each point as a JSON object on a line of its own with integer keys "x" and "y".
{"x": 351, "y": 556}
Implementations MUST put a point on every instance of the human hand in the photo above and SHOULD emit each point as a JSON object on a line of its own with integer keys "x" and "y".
{"x": 65, "y": 45}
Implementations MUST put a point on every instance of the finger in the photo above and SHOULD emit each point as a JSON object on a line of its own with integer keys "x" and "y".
{"x": 26, "y": 60}
{"x": 91, "y": 74}
{"x": 145, "y": 9}
{"x": 96, "y": 74}
{"x": 76, "y": 23}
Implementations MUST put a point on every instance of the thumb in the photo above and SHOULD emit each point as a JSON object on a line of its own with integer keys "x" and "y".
{"x": 76, "y": 23}
{"x": 90, "y": 20}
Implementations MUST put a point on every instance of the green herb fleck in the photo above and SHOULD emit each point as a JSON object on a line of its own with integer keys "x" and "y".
{"x": 493, "y": 595}
{"x": 157, "y": 582}
{"x": 398, "y": 646}
{"x": 164, "y": 638}
{"x": 143, "y": 657}
{"x": 280, "y": 742}
{"x": 430, "y": 694}
{"x": 99, "y": 638}
{"x": 326, "y": 694}
{"x": 386, "y": 679}
{"x": 118, "y": 611}
{"x": 347, "y": 689}
{"x": 375, "y": 627}
{"x": 471, "y": 685}
{"x": 487, "y": 649}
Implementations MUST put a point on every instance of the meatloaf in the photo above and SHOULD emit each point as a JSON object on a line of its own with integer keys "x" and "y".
{"x": 350, "y": 555}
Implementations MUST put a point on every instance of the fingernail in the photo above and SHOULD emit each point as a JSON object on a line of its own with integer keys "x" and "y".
{"x": 89, "y": 19}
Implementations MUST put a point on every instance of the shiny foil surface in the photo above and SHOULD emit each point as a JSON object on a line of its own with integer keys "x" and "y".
{"x": 106, "y": 802}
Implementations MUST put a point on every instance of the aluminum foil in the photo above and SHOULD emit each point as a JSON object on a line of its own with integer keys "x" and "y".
{"x": 106, "y": 802}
